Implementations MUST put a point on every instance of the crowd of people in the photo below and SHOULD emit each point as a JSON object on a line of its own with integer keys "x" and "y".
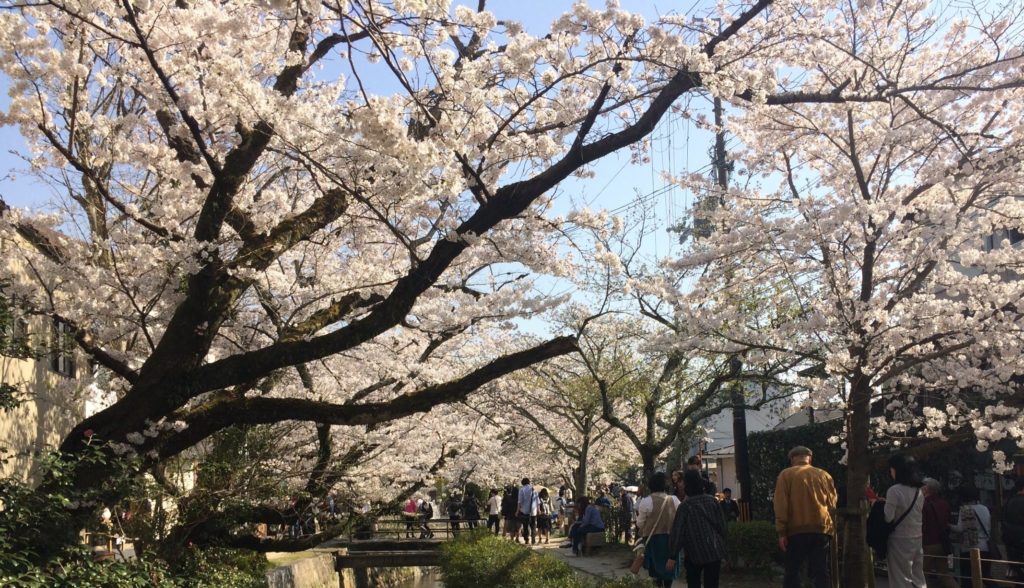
{"x": 925, "y": 530}
{"x": 681, "y": 523}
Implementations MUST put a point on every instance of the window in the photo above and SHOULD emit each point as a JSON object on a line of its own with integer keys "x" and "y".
{"x": 63, "y": 354}
{"x": 13, "y": 330}
{"x": 1013, "y": 236}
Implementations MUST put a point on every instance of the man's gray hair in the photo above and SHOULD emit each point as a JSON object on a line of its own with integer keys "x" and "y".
{"x": 933, "y": 485}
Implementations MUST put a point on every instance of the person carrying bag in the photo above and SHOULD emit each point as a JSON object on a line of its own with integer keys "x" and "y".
{"x": 655, "y": 516}
{"x": 640, "y": 549}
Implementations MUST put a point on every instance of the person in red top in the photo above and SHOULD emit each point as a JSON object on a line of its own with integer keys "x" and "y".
{"x": 409, "y": 514}
{"x": 935, "y": 535}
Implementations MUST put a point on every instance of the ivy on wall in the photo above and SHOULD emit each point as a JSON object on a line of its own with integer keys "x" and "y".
{"x": 768, "y": 451}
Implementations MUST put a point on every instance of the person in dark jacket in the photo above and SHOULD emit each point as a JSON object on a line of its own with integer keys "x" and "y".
{"x": 626, "y": 515}
{"x": 454, "y": 509}
{"x": 696, "y": 464}
{"x": 698, "y": 530}
{"x": 730, "y": 508}
{"x": 470, "y": 510}
{"x": 935, "y": 535}
{"x": 1013, "y": 528}
{"x": 508, "y": 513}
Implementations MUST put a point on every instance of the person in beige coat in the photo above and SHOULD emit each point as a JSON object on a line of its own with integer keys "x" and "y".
{"x": 805, "y": 498}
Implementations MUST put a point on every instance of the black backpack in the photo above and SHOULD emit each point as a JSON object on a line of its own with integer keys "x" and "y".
{"x": 878, "y": 529}
{"x": 426, "y": 510}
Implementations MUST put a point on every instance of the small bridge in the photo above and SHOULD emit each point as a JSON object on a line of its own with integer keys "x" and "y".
{"x": 393, "y": 542}
{"x": 389, "y": 554}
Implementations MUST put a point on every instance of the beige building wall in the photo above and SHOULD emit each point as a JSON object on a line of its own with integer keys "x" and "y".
{"x": 51, "y": 404}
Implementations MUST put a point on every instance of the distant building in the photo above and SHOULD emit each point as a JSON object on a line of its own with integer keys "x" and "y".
{"x": 718, "y": 447}
{"x": 41, "y": 373}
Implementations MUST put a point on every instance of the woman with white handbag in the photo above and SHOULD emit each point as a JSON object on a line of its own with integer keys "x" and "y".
{"x": 655, "y": 514}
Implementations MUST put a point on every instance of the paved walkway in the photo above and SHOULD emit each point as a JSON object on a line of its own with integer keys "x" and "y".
{"x": 612, "y": 561}
{"x": 607, "y": 562}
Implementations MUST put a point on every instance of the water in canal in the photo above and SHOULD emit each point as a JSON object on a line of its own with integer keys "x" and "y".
{"x": 431, "y": 579}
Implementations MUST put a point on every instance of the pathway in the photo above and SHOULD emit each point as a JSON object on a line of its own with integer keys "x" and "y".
{"x": 612, "y": 561}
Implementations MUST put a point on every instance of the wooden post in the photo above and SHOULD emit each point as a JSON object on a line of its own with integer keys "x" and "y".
{"x": 834, "y": 560}
{"x": 976, "y": 581}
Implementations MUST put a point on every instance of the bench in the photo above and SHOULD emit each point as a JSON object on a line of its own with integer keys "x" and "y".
{"x": 592, "y": 540}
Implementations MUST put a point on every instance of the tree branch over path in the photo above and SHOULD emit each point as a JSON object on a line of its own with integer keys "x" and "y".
{"x": 214, "y": 416}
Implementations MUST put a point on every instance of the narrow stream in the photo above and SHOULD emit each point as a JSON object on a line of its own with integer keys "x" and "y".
{"x": 432, "y": 579}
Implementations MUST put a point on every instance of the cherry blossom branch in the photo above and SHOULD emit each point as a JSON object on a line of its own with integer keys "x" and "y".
{"x": 214, "y": 416}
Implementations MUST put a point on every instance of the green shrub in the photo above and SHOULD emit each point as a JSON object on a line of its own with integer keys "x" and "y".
{"x": 641, "y": 581}
{"x": 481, "y": 559}
{"x": 768, "y": 458}
{"x": 752, "y": 545}
{"x": 216, "y": 567}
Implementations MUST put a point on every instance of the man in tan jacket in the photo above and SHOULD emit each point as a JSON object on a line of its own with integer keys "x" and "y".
{"x": 805, "y": 497}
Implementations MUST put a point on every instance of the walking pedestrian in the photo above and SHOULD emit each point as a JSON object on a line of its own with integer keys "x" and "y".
{"x": 527, "y": 511}
{"x": 494, "y": 511}
{"x": 544, "y": 515}
{"x": 508, "y": 512}
{"x": 935, "y": 536}
{"x": 699, "y": 532}
{"x": 974, "y": 527}
{"x": 563, "y": 507}
{"x": 904, "y": 506}
{"x": 625, "y": 516}
{"x": 426, "y": 512}
{"x": 805, "y": 497}
{"x": 454, "y": 509}
{"x": 730, "y": 508}
{"x": 654, "y": 518}
{"x": 409, "y": 513}
{"x": 1013, "y": 529}
{"x": 470, "y": 510}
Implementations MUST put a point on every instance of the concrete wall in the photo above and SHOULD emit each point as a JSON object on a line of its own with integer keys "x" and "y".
{"x": 318, "y": 572}
{"x": 312, "y": 572}
{"x": 379, "y": 577}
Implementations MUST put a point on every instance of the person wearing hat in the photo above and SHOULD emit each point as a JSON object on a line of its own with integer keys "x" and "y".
{"x": 805, "y": 497}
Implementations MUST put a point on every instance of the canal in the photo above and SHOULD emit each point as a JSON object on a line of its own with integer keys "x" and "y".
{"x": 431, "y": 579}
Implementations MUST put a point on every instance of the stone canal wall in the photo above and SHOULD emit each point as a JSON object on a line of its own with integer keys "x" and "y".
{"x": 312, "y": 572}
{"x": 318, "y": 572}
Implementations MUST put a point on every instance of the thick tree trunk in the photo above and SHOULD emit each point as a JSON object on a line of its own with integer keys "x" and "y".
{"x": 580, "y": 479}
{"x": 855, "y": 550}
{"x": 647, "y": 457}
{"x": 582, "y": 470}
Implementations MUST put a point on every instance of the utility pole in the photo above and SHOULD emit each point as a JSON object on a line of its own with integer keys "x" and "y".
{"x": 739, "y": 410}
{"x": 703, "y": 228}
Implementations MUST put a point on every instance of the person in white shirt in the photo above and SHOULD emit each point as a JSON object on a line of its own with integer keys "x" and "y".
{"x": 527, "y": 511}
{"x": 903, "y": 505}
{"x": 494, "y": 511}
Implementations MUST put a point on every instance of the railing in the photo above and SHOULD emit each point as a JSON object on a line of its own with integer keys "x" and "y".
{"x": 417, "y": 528}
{"x": 981, "y": 571}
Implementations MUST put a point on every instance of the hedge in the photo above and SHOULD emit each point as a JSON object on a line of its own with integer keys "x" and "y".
{"x": 480, "y": 559}
{"x": 752, "y": 545}
{"x": 768, "y": 457}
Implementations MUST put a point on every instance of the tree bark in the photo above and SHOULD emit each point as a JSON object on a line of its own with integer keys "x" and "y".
{"x": 855, "y": 550}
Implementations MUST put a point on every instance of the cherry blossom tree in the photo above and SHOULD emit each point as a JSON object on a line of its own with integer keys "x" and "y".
{"x": 885, "y": 227}
{"x": 552, "y": 413}
{"x": 247, "y": 188}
